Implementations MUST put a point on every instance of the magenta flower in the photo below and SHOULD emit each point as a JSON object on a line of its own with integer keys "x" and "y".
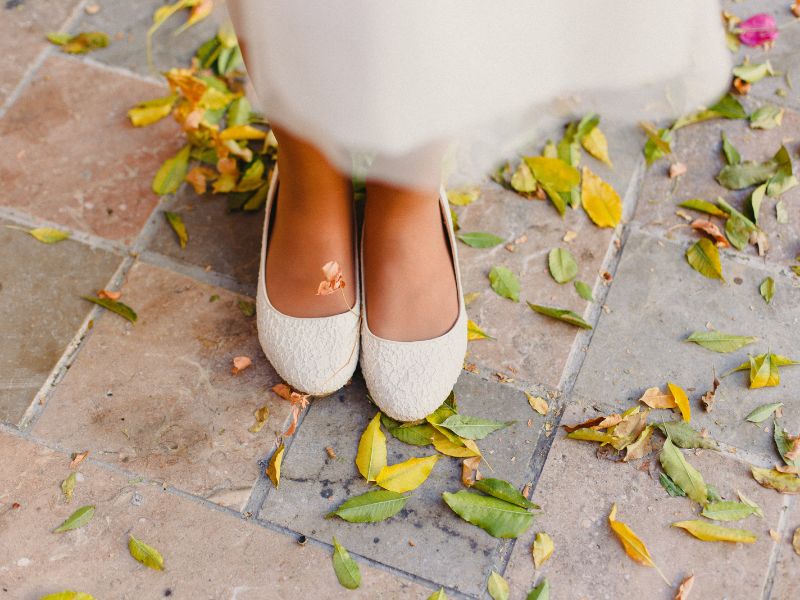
{"x": 758, "y": 30}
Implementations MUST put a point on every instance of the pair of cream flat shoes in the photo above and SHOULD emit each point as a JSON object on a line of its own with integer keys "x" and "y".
{"x": 318, "y": 355}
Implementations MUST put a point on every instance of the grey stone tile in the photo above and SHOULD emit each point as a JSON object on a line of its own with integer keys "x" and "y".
{"x": 656, "y": 300}
{"x": 127, "y": 23}
{"x": 41, "y": 309}
{"x": 227, "y": 243}
{"x": 446, "y": 549}
{"x": 159, "y": 397}
{"x": 576, "y": 491}
{"x": 785, "y": 581}
{"x": 699, "y": 146}
{"x": 208, "y": 553}
{"x": 536, "y": 347}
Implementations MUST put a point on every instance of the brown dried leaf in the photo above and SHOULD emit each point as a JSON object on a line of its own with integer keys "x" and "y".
{"x": 655, "y": 398}
{"x": 469, "y": 470}
{"x": 712, "y": 230}
{"x": 111, "y": 295}
{"x": 685, "y": 588}
{"x": 78, "y": 458}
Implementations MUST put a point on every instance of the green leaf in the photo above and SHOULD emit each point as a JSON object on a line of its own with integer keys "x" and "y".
{"x": 732, "y": 156}
{"x": 239, "y": 112}
{"x": 719, "y": 341}
{"x": 766, "y": 117}
{"x": 753, "y": 73}
{"x": 415, "y": 435}
{"x": 669, "y": 485}
{"x": 703, "y": 206}
{"x": 145, "y": 554}
{"x": 497, "y": 587}
{"x": 478, "y": 239}
{"x": 727, "y": 108}
{"x": 498, "y": 488}
{"x": 473, "y": 428}
{"x": 684, "y": 435}
{"x": 68, "y": 486}
{"x": 658, "y": 144}
{"x": 505, "y": 283}
{"x": 176, "y": 222}
{"x": 703, "y": 256}
{"x": 346, "y": 569}
{"x": 248, "y": 308}
{"x": 77, "y": 519}
{"x": 737, "y": 231}
{"x": 562, "y": 314}
{"x": 370, "y": 507}
{"x": 123, "y": 310}
{"x": 498, "y": 518}
{"x": 540, "y": 592}
{"x": 756, "y": 508}
{"x": 682, "y": 473}
{"x": 172, "y": 173}
{"x": 783, "y": 444}
{"x": 727, "y": 510}
{"x": 584, "y": 291}
{"x": 763, "y": 412}
{"x": 59, "y": 39}
{"x": 767, "y": 289}
{"x": 756, "y": 199}
{"x": 742, "y": 175}
{"x": 562, "y": 265}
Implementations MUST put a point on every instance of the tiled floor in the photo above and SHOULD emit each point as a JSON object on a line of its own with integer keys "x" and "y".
{"x": 171, "y": 458}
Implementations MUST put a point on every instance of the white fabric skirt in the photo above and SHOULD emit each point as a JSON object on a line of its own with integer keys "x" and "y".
{"x": 402, "y": 81}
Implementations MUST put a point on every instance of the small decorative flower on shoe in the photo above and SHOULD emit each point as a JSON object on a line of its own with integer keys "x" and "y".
{"x": 333, "y": 279}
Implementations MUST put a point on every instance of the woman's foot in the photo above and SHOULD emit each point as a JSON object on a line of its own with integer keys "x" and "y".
{"x": 409, "y": 281}
{"x": 312, "y": 225}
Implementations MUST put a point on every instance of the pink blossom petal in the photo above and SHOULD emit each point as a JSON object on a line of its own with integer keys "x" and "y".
{"x": 758, "y": 30}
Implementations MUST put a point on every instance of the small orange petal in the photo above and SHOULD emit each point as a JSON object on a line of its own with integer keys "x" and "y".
{"x": 240, "y": 363}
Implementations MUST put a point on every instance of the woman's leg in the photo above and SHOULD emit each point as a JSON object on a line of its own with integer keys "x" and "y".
{"x": 313, "y": 224}
{"x": 408, "y": 271}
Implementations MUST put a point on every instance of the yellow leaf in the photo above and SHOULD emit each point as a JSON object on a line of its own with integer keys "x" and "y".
{"x": 262, "y": 416}
{"x": 537, "y": 403}
{"x": 708, "y": 532}
{"x": 542, "y": 548}
{"x": 764, "y": 371}
{"x": 178, "y": 226}
{"x": 642, "y": 446}
{"x": 681, "y": 401}
{"x": 172, "y": 172}
{"x": 595, "y": 143}
{"x": 474, "y": 332}
{"x": 274, "y": 466}
{"x": 147, "y": 113}
{"x": 634, "y": 547}
{"x": 145, "y": 554}
{"x": 407, "y": 475}
{"x": 786, "y": 483}
{"x": 600, "y": 201}
{"x": 553, "y": 173}
{"x": 459, "y": 449}
{"x": 463, "y": 196}
{"x": 655, "y": 398}
{"x": 371, "y": 456}
{"x": 199, "y": 12}
{"x": 703, "y": 256}
{"x": 242, "y": 132}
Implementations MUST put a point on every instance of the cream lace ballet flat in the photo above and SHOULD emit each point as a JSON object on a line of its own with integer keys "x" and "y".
{"x": 314, "y": 355}
{"x": 409, "y": 380}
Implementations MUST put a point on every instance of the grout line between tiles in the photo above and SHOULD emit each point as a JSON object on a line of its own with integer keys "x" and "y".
{"x": 776, "y": 550}
{"x": 122, "y": 71}
{"x": 198, "y": 273}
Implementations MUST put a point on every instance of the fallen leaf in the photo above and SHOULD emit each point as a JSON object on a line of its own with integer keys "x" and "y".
{"x": 46, "y": 235}
{"x": 719, "y": 341}
{"x": 796, "y": 541}
{"x": 77, "y": 519}
{"x": 503, "y": 490}
{"x": 274, "y": 465}
{"x": 469, "y": 470}
{"x": 407, "y": 475}
{"x": 600, "y": 201}
{"x": 78, "y": 458}
{"x": 68, "y": 487}
{"x": 655, "y": 398}
{"x": 703, "y": 206}
{"x": 681, "y": 401}
{"x": 684, "y": 435}
{"x": 562, "y": 314}
{"x": 685, "y": 588}
{"x": 111, "y": 295}
{"x": 766, "y": 117}
{"x": 151, "y": 111}
{"x": 595, "y": 143}
{"x": 473, "y": 428}
{"x": 438, "y": 594}
{"x": 463, "y": 196}
{"x": 634, "y": 547}
{"x": 537, "y": 403}
{"x": 709, "y": 532}
{"x": 145, "y": 554}
{"x": 261, "y": 416}
{"x": 540, "y": 592}
{"x": 497, "y": 587}
{"x": 781, "y": 482}
{"x": 767, "y": 289}
{"x": 497, "y": 517}
{"x": 727, "y": 510}
{"x": 562, "y": 265}
{"x": 763, "y": 412}
{"x": 641, "y": 447}
{"x": 676, "y": 170}
{"x": 172, "y": 172}
{"x": 682, "y": 473}
{"x": 80, "y": 43}
{"x": 703, "y": 256}
{"x": 504, "y": 282}
{"x": 371, "y": 455}
{"x": 198, "y": 177}
{"x": 370, "y": 507}
{"x": 712, "y": 230}
{"x": 68, "y": 595}
{"x": 123, "y": 310}
{"x": 542, "y": 548}
{"x": 346, "y": 569}
{"x": 248, "y": 309}
{"x": 474, "y": 332}
{"x": 240, "y": 363}
{"x": 478, "y": 239}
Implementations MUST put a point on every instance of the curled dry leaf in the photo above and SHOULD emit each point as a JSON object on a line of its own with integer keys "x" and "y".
{"x": 685, "y": 588}
{"x": 109, "y": 294}
{"x": 655, "y": 398}
{"x": 469, "y": 470}
{"x": 537, "y": 403}
{"x": 78, "y": 458}
{"x": 712, "y": 230}
{"x": 333, "y": 278}
{"x": 330, "y": 452}
{"x": 240, "y": 363}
